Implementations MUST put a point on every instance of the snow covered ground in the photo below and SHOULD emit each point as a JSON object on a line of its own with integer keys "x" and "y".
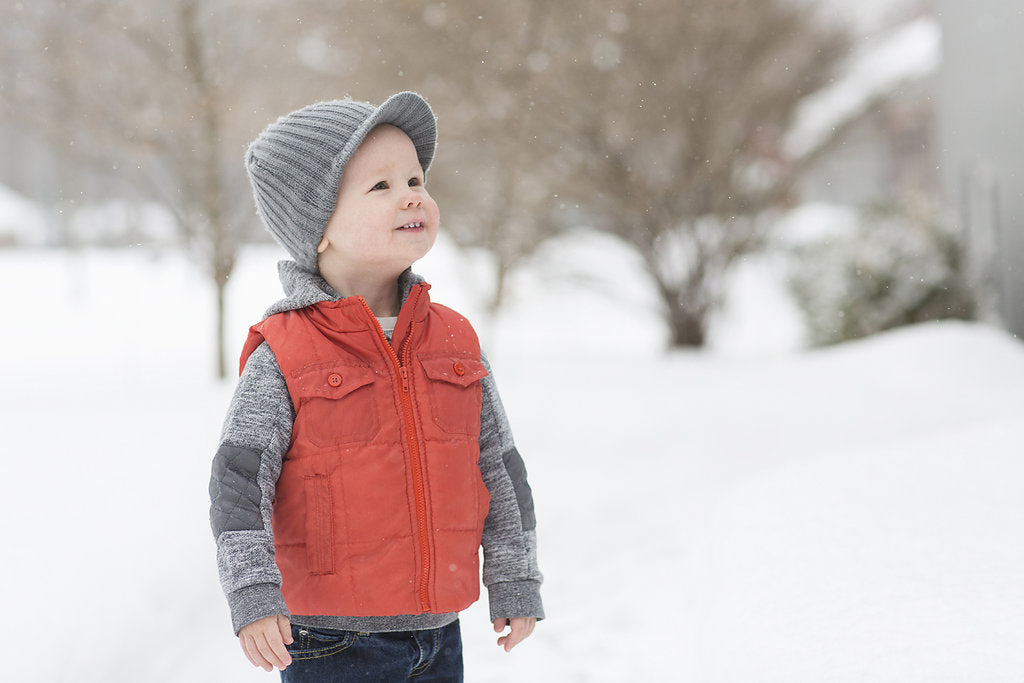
{"x": 753, "y": 512}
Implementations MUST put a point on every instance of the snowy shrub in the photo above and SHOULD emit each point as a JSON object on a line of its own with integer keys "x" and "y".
{"x": 901, "y": 264}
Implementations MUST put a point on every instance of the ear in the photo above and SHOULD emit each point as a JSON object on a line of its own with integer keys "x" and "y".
{"x": 322, "y": 247}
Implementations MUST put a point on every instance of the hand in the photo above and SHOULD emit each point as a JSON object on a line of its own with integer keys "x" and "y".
{"x": 522, "y": 627}
{"x": 263, "y": 642}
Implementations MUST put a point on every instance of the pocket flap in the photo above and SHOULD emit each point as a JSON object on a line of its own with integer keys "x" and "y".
{"x": 331, "y": 380}
{"x": 454, "y": 369}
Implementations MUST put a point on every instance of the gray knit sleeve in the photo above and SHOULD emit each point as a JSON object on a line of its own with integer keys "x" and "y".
{"x": 255, "y": 438}
{"x": 510, "y": 571}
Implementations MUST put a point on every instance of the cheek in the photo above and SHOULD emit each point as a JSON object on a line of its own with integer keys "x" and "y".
{"x": 434, "y": 212}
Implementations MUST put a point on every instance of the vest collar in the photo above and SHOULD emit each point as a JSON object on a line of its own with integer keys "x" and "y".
{"x": 351, "y": 314}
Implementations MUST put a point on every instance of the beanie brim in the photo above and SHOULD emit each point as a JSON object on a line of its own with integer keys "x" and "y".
{"x": 405, "y": 110}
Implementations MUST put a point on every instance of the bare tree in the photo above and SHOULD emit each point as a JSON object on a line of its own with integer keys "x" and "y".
{"x": 39, "y": 88}
{"x": 679, "y": 142}
{"x": 171, "y": 92}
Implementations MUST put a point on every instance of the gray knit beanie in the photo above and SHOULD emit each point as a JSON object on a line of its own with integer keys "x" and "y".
{"x": 295, "y": 165}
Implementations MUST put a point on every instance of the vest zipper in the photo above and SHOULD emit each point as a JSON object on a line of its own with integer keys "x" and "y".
{"x": 401, "y": 363}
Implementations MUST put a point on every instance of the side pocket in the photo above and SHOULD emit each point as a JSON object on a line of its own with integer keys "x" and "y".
{"x": 319, "y": 524}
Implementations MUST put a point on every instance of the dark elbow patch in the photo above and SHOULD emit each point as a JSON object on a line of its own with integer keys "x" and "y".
{"x": 516, "y": 469}
{"x": 235, "y": 493}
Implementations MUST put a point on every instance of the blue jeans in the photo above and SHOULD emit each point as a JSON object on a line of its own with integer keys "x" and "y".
{"x": 327, "y": 656}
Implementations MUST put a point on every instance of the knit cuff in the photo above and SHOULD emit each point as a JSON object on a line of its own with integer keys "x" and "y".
{"x": 511, "y": 599}
{"x": 255, "y": 602}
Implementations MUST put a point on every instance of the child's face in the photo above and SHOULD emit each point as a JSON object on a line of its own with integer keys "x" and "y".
{"x": 384, "y": 220}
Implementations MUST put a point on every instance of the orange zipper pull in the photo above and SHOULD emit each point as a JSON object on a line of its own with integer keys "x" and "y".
{"x": 404, "y": 372}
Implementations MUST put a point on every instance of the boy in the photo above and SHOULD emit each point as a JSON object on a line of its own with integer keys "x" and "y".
{"x": 365, "y": 456}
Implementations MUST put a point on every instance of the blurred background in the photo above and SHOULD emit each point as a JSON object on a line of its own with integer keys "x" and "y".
{"x": 687, "y": 130}
{"x": 760, "y": 187}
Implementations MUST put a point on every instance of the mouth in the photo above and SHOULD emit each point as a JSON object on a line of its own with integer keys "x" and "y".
{"x": 414, "y": 226}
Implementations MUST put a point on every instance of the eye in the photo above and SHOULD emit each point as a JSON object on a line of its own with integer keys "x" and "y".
{"x": 415, "y": 182}
{"x": 382, "y": 185}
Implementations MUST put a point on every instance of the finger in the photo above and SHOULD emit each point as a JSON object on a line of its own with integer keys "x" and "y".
{"x": 252, "y": 653}
{"x": 277, "y": 642}
{"x": 272, "y": 648}
{"x": 511, "y": 640}
{"x": 500, "y": 624}
{"x": 507, "y": 643}
{"x": 286, "y": 629}
{"x": 521, "y": 630}
{"x": 282, "y": 657}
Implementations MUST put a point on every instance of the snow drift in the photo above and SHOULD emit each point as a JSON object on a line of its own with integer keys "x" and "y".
{"x": 847, "y": 514}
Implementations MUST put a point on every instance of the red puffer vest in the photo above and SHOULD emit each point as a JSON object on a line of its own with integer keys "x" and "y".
{"x": 380, "y": 505}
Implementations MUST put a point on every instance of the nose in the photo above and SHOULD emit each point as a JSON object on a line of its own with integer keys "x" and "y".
{"x": 413, "y": 200}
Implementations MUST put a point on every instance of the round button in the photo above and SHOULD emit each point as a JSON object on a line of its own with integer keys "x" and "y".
{"x": 334, "y": 379}
{"x": 459, "y": 368}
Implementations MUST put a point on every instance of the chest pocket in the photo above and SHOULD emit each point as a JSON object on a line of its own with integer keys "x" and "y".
{"x": 335, "y": 404}
{"x": 454, "y": 387}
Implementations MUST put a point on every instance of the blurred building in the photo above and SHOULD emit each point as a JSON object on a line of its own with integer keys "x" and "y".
{"x": 981, "y": 134}
{"x": 882, "y": 112}
{"x": 934, "y": 105}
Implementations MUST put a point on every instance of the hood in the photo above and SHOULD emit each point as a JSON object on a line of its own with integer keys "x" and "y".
{"x": 303, "y": 288}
